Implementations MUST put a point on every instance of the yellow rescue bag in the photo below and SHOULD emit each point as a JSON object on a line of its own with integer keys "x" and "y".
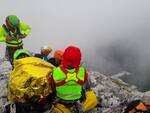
{"x": 60, "y": 108}
{"x": 29, "y": 79}
{"x": 90, "y": 102}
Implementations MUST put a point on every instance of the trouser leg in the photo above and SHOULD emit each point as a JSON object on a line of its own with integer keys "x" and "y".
{"x": 10, "y": 52}
{"x": 6, "y": 54}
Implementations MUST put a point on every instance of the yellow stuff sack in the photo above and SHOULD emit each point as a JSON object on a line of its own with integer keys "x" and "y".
{"x": 29, "y": 79}
{"x": 90, "y": 102}
{"x": 60, "y": 108}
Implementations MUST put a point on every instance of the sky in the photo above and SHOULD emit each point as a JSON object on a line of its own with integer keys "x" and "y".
{"x": 114, "y": 35}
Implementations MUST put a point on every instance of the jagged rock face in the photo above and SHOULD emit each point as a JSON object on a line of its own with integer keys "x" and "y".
{"x": 5, "y": 68}
{"x": 113, "y": 94}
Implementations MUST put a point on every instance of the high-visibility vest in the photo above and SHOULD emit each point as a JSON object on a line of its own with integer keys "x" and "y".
{"x": 14, "y": 43}
{"x": 69, "y": 82}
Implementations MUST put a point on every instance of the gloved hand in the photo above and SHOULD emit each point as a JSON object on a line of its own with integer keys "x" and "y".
{"x": 9, "y": 38}
{"x": 21, "y": 36}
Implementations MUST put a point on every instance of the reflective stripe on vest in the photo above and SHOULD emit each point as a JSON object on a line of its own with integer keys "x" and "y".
{"x": 14, "y": 43}
{"x": 67, "y": 86}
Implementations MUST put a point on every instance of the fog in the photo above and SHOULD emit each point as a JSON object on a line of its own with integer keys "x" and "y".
{"x": 112, "y": 34}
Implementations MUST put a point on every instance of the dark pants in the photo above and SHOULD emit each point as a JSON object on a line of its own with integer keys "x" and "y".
{"x": 33, "y": 107}
{"x": 28, "y": 108}
{"x": 10, "y": 53}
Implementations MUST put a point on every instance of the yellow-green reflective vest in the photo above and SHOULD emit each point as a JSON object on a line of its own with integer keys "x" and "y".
{"x": 67, "y": 84}
{"x": 17, "y": 42}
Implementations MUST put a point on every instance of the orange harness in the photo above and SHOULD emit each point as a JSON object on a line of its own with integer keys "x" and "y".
{"x": 64, "y": 81}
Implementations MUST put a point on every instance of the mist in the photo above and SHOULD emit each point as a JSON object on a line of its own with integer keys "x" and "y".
{"x": 113, "y": 34}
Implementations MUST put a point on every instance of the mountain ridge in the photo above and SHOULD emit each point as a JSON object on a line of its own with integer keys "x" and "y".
{"x": 112, "y": 92}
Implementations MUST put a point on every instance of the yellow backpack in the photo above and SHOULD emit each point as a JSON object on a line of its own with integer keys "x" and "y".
{"x": 29, "y": 79}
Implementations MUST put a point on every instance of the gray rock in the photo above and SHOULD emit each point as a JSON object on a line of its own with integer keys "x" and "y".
{"x": 113, "y": 93}
{"x": 146, "y": 96}
{"x": 5, "y": 68}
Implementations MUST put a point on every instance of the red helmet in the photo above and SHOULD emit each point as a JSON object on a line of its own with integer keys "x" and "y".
{"x": 71, "y": 57}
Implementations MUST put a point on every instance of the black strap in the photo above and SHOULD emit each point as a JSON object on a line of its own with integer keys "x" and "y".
{"x": 6, "y": 29}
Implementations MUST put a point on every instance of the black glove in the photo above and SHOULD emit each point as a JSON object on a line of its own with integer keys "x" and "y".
{"x": 22, "y": 36}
